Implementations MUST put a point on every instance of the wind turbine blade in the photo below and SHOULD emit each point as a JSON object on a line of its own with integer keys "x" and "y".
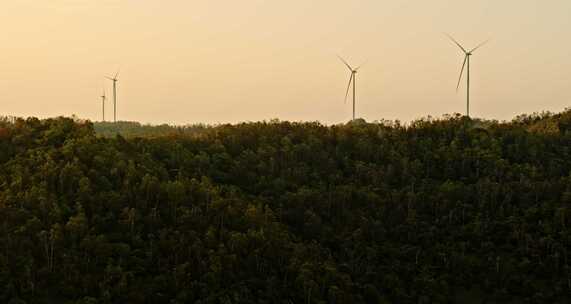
{"x": 345, "y": 62}
{"x": 361, "y": 65}
{"x": 110, "y": 78}
{"x": 349, "y": 86}
{"x": 117, "y": 74}
{"x": 480, "y": 45}
{"x": 461, "y": 72}
{"x": 456, "y": 42}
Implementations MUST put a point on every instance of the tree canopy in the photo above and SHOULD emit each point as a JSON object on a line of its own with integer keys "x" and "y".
{"x": 449, "y": 210}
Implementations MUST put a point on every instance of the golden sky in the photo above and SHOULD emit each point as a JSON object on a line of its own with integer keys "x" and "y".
{"x": 187, "y": 61}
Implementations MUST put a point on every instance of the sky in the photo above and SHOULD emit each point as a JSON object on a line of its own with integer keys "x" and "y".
{"x": 189, "y": 61}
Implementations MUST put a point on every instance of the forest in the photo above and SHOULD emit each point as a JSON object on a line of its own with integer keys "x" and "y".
{"x": 438, "y": 210}
{"x": 135, "y": 129}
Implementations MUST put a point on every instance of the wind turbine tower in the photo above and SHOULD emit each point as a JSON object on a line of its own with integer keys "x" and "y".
{"x": 114, "y": 79}
{"x": 352, "y": 80}
{"x": 467, "y": 55}
{"x": 103, "y": 97}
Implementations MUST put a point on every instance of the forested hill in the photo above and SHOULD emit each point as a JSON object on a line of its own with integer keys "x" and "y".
{"x": 446, "y": 210}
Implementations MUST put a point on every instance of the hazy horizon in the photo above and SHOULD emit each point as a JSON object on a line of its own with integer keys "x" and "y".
{"x": 211, "y": 62}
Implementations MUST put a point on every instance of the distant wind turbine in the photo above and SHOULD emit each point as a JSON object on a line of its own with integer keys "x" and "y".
{"x": 466, "y": 62}
{"x": 103, "y": 97}
{"x": 114, "y": 79}
{"x": 351, "y": 79}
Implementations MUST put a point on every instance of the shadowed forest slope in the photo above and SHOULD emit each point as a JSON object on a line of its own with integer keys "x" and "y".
{"x": 446, "y": 210}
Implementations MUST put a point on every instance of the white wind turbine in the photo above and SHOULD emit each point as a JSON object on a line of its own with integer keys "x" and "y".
{"x": 114, "y": 79}
{"x": 103, "y": 97}
{"x": 467, "y": 55}
{"x": 352, "y": 78}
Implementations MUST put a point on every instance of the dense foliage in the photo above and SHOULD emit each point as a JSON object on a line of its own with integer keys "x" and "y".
{"x": 135, "y": 129}
{"x": 446, "y": 210}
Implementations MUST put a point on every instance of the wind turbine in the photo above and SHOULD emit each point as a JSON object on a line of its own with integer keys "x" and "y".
{"x": 114, "y": 79}
{"x": 103, "y": 97}
{"x": 466, "y": 62}
{"x": 353, "y": 79}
